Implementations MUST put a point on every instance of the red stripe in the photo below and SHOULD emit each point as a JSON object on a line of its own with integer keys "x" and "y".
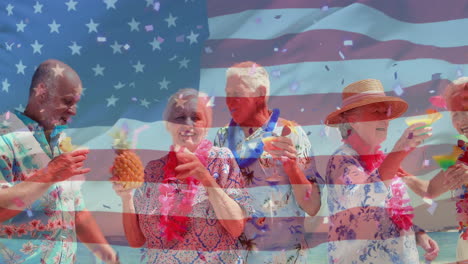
{"x": 412, "y": 11}
{"x": 322, "y": 45}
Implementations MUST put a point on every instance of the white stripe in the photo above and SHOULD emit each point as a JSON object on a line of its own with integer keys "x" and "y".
{"x": 312, "y": 77}
{"x": 357, "y": 18}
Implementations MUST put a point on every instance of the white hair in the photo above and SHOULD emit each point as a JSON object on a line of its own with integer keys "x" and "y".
{"x": 251, "y": 73}
{"x": 453, "y": 90}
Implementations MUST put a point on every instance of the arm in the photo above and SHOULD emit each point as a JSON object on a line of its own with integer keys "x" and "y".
{"x": 89, "y": 233}
{"x": 420, "y": 187}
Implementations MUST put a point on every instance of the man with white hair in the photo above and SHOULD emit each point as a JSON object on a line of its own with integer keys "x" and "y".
{"x": 275, "y": 157}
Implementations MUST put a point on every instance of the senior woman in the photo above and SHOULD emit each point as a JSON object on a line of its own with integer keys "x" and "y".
{"x": 457, "y": 175}
{"x": 370, "y": 220}
{"x": 191, "y": 208}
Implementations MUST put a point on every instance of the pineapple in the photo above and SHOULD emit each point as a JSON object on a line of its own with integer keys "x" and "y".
{"x": 127, "y": 167}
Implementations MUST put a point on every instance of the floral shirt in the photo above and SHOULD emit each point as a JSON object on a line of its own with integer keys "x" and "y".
{"x": 359, "y": 210}
{"x": 276, "y": 230}
{"x": 206, "y": 240}
{"x": 45, "y": 231}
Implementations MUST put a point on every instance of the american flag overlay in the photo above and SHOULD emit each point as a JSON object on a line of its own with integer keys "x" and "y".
{"x": 132, "y": 55}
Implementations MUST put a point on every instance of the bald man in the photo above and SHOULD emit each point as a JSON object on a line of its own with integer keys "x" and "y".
{"x": 41, "y": 211}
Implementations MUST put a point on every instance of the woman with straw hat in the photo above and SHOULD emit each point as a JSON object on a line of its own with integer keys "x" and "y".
{"x": 370, "y": 215}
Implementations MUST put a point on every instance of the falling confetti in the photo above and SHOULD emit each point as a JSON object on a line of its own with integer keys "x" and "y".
{"x": 348, "y": 43}
{"x": 459, "y": 72}
{"x": 199, "y": 26}
{"x": 436, "y": 76}
{"x": 149, "y": 28}
{"x": 106, "y": 206}
{"x": 294, "y": 86}
{"x": 324, "y": 8}
{"x": 126, "y": 46}
{"x": 258, "y": 20}
{"x": 426, "y": 163}
{"x": 208, "y": 50}
{"x": 284, "y": 50}
{"x": 326, "y": 67}
{"x": 278, "y": 17}
{"x": 7, "y": 116}
{"x": 398, "y": 89}
{"x": 438, "y": 101}
{"x": 341, "y": 55}
{"x": 180, "y": 38}
{"x": 432, "y": 208}
{"x": 157, "y": 5}
{"x": 325, "y": 220}
{"x": 30, "y": 213}
{"x": 431, "y": 91}
{"x": 342, "y": 81}
{"x": 276, "y": 73}
{"x": 160, "y": 40}
{"x": 101, "y": 39}
{"x": 134, "y": 99}
{"x": 275, "y": 49}
{"x": 302, "y": 109}
{"x": 395, "y": 75}
{"x": 253, "y": 69}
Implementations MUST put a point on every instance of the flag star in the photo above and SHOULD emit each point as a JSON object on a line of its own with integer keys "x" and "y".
{"x": 110, "y": 4}
{"x": 98, "y": 70}
{"x": 38, "y": 8}
{"x": 119, "y": 86}
{"x": 163, "y": 84}
{"x": 155, "y": 44}
{"x": 134, "y": 25}
{"x": 39, "y": 90}
{"x": 75, "y": 48}
{"x": 183, "y": 63}
{"x": 5, "y": 85}
{"x": 180, "y": 102}
{"x": 71, "y": 5}
{"x": 116, "y": 48}
{"x": 144, "y": 103}
{"x": 193, "y": 37}
{"x": 36, "y": 47}
{"x": 149, "y": 3}
{"x": 58, "y": 71}
{"x": 20, "y": 108}
{"x": 20, "y": 26}
{"x": 54, "y": 27}
{"x": 9, "y": 46}
{"x": 20, "y": 67}
{"x": 111, "y": 100}
{"x": 171, "y": 20}
{"x": 92, "y": 27}
{"x": 83, "y": 89}
{"x": 9, "y": 9}
{"x": 138, "y": 67}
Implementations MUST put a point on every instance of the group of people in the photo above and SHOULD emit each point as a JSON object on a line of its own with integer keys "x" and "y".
{"x": 240, "y": 199}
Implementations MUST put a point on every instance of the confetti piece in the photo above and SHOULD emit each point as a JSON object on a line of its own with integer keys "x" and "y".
{"x": 294, "y": 86}
{"x": 395, "y": 75}
{"x": 156, "y": 6}
{"x": 341, "y": 55}
{"x": 325, "y": 220}
{"x": 276, "y": 73}
{"x": 398, "y": 90}
{"x": 432, "y": 208}
{"x": 326, "y": 67}
{"x": 180, "y": 38}
{"x": 429, "y": 201}
{"x": 134, "y": 99}
{"x": 101, "y": 39}
{"x": 275, "y": 49}
{"x": 30, "y": 213}
{"x": 277, "y": 16}
{"x": 436, "y": 76}
{"x": 208, "y": 50}
{"x": 308, "y": 133}
{"x": 426, "y": 163}
{"x": 199, "y": 26}
{"x": 253, "y": 69}
{"x": 210, "y": 102}
{"x": 149, "y": 28}
{"x": 284, "y": 50}
{"x": 324, "y": 8}
{"x": 348, "y": 43}
{"x": 389, "y": 112}
{"x": 431, "y": 91}
{"x": 106, "y": 206}
{"x": 160, "y": 40}
{"x": 308, "y": 194}
{"x": 302, "y": 109}
{"x": 7, "y": 116}
{"x": 258, "y": 20}
{"x": 18, "y": 202}
{"x": 459, "y": 72}
{"x": 126, "y": 46}
{"x": 342, "y": 81}
{"x": 438, "y": 101}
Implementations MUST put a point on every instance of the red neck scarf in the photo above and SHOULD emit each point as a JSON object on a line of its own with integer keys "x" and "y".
{"x": 369, "y": 162}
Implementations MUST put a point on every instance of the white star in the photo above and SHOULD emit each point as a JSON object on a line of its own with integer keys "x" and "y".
{"x": 54, "y": 27}
{"x": 20, "y": 26}
{"x": 193, "y": 37}
{"x": 58, "y": 71}
{"x": 149, "y": 3}
{"x": 37, "y": 47}
{"x": 75, "y": 48}
{"x": 9, "y": 9}
{"x": 138, "y": 67}
{"x": 171, "y": 20}
{"x": 144, "y": 103}
{"x": 119, "y": 86}
{"x": 38, "y": 8}
{"x": 20, "y": 108}
{"x": 71, "y": 5}
{"x": 92, "y": 27}
{"x": 98, "y": 70}
{"x": 163, "y": 84}
{"x": 9, "y": 46}
{"x": 134, "y": 25}
{"x": 110, "y": 4}
{"x": 5, "y": 85}
{"x": 183, "y": 63}
{"x": 116, "y": 48}
{"x": 82, "y": 92}
{"x": 111, "y": 100}
{"x": 20, "y": 67}
{"x": 155, "y": 44}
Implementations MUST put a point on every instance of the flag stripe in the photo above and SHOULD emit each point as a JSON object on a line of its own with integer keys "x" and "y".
{"x": 302, "y": 20}
{"x": 414, "y": 11}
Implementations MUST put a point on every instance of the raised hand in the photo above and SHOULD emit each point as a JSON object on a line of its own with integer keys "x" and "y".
{"x": 456, "y": 176}
{"x": 66, "y": 165}
{"x": 412, "y": 137}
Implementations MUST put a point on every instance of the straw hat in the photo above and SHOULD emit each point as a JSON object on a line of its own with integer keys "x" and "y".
{"x": 365, "y": 92}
